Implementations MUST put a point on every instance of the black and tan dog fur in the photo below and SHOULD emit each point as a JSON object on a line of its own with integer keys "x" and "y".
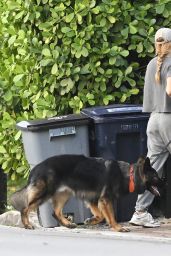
{"x": 94, "y": 180}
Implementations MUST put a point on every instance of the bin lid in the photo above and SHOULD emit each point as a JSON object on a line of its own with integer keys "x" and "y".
{"x": 53, "y": 122}
{"x": 112, "y": 110}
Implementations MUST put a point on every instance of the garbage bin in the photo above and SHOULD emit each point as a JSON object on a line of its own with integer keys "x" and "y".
{"x": 167, "y": 195}
{"x": 54, "y": 136}
{"x": 119, "y": 132}
{"x": 161, "y": 205}
{"x": 3, "y": 191}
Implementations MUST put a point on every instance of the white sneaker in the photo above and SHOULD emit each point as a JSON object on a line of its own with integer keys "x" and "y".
{"x": 144, "y": 219}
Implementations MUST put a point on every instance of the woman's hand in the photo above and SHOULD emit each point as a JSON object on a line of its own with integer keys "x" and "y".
{"x": 168, "y": 86}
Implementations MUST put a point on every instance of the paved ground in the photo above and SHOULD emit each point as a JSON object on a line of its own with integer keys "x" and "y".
{"x": 12, "y": 218}
{"x": 85, "y": 241}
{"x": 162, "y": 233}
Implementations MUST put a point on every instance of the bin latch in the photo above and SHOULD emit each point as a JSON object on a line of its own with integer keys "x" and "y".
{"x": 61, "y": 131}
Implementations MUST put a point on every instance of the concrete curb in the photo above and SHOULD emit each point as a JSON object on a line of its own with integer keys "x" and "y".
{"x": 105, "y": 234}
{"x": 12, "y": 220}
{"x": 84, "y": 233}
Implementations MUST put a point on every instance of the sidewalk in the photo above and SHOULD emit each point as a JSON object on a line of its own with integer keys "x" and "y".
{"x": 83, "y": 241}
{"x": 12, "y": 220}
{"x": 162, "y": 233}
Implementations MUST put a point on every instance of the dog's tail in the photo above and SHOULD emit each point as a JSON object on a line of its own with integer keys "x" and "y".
{"x": 35, "y": 193}
{"x": 19, "y": 199}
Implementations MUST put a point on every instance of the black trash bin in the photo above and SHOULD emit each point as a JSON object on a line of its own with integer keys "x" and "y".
{"x": 119, "y": 132}
{"x": 3, "y": 191}
{"x": 55, "y": 136}
{"x": 161, "y": 206}
{"x": 167, "y": 195}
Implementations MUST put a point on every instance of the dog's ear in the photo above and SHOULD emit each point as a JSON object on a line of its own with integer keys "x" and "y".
{"x": 147, "y": 165}
{"x": 141, "y": 161}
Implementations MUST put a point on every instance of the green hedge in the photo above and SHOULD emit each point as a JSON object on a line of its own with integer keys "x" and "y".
{"x": 58, "y": 56}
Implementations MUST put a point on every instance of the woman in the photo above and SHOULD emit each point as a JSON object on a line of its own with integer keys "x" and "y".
{"x": 157, "y": 101}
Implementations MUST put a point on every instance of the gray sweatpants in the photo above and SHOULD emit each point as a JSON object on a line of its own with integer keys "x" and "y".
{"x": 158, "y": 135}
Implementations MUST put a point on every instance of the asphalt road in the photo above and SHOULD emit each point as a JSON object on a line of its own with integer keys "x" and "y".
{"x": 17, "y": 241}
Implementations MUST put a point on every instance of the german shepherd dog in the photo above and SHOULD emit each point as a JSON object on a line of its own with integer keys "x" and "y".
{"x": 95, "y": 180}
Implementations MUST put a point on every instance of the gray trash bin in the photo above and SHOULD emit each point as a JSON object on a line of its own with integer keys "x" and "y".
{"x": 55, "y": 136}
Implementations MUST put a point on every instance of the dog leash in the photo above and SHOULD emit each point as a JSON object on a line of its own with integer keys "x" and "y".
{"x": 131, "y": 179}
{"x": 162, "y": 152}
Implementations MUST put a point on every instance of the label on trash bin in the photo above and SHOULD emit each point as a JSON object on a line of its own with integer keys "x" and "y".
{"x": 62, "y": 131}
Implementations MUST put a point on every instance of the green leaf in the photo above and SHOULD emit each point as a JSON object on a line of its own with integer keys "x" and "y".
{"x": 78, "y": 54}
{"x": 17, "y": 78}
{"x": 8, "y": 96}
{"x": 84, "y": 52}
{"x": 133, "y": 29}
{"x": 54, "y": 69}
{"x": 45, "y": 62}
{"x": 95, "y": 10}
{"x": 111, "y": 19}
{"x": 123, "y": 98}
{"x": 124, "y": 32}
{"x": 124, "y": 53}
{"x": 76, "y": 70}
{"x": 64, "y": 82}
{"x": 5, "y": 165}
{"x": 12, "y": 40}
{"x": 2, "y": 150}
{"x": 117, "y": 84}
{"x": 55, "y": 54}
{"x": 131, "y": 81}
{"x": 45, "y": 1}
{"x": 65, "y": 30}
{"x": 90, "y": 96}
{"x": 85, "y": 69}
{"x": 112, "y": 60}
{"x": 46, "y": 52}
{"x": 139, "y": 47}
{"x": 67, "y": 82}
{"x": 69, "y": 17}
{"x": 19, "y": 15}
{"x": 160, "y": 8}
{"x": 92, "y": 3}
{"x": 20, "y": 169}
{"x": 17, "y": 136}
{"x": 107, "y": 99}
{"x": 13, "y": 176}
{"x": 21, "y": 51}
{"x": 100, "y": 70}
{"x": 103, "y": 22}
{"x": 91, "y": 102}
{"x": 109, "y": 72}
{"x": 79, "y": 18}
{"x": 103, "y": 87}
{"x": 134, "y": 91}
{"x": 128, "y": 70}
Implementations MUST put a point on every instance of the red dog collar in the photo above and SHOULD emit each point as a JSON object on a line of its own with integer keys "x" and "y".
{"x": 131, "y": 179}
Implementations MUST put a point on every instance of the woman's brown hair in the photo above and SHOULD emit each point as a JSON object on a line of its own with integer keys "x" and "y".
{"x": 162, "y": 49}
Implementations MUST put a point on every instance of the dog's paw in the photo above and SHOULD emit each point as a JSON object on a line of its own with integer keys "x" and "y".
{"x": 29, "y": 226}
{"x": 124, "y": 229}
{"x": 93, "y": 221}
{"x": 119, "y": 228}
{"x": 88, "y": 221}
{"x": 72, "y": 225}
